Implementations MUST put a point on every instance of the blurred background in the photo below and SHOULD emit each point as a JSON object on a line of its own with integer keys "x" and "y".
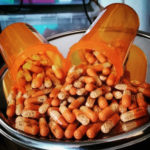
{"x": 50, "y": 17}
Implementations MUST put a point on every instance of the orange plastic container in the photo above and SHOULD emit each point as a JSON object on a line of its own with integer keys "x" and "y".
{"x": 19, "y": 41}
{"x": 111, "y": 33}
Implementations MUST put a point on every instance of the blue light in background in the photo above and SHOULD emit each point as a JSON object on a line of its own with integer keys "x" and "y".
{"x": 64, "y": 1}
{"x": 5, "y": 2}
{"x": 42, "y": 27}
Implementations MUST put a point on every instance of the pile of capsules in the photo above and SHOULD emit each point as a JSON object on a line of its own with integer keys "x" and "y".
{"x": 85, "y": 103}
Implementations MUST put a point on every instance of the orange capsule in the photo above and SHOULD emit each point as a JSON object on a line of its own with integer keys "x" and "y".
{"x": 44, "y": 129}
{"x": 36, "y": 63}
{"x": 102, "y": 102}
{"x": 27, "y": 120}
{"x": 102, "y": 78}
{"x": 19, "y": 103}
{"x": 117, "y": 94}
{"x": 78, "y": 84}
{"x": 73, "y": 91}
{"x": 81, "y": 117}
{"x": 108, "y": 111}
{"x": 44, "y": 107}
{"x": 89, "y": 113}
{"x": 56, "y": 116}
{"x": 90, "y": 57}
{"x": 25, "y": 95}
{"x": 88, "y": 79}
{"x": 32, "y": 68}
{"x": 96, "y": 108}
{"x": 52, "y": 108}
{"x": 34, "y": 75}
{"x": 125, "y": 81}
{"x": 80, "y": 132}
{"x": 55, "y": 102}
{"x": 28, "y": 87}
{"x": 47, "y": 82}
{"x": 81, "y": 92}
{"x": 97, "y": 67}
{"x": 126, "y": 98}
{"x": 110, "y": 123}
{"x": 90, "y": 102}
{"x": 106, "y": 88}
{"x": 27, "y": 127}
{"x": 11, "y": 110}
{"x": 70, "y": 78}
{"x": 134, "y": 114}
{"x": 35, "y": 100}
{"x": 123, "y": 87}
{"x": 74, "y": 75}
{"x": 67, "y": 114}
{"x": 38, "y": 80}
{"x": 122, "y": 109}
{"x": 140, "y": 84}
{"x": 30, "y": 113}
{"x": 70, "y": 99}
{"x": 20, "y": 78}
{"x": 134, "y": 102}
{"x": 35, "y": 57}
{"x": 109, "y": 96}
{"x": 45, "y": 61}
{"x": 56, "y": 129}
{"x": 98, "y": 81}
{"x": 90, "y": 87}
{"x": 77, "y": 103}
{"x": 96, "y": 93}
{"x": 58, "y": 72}
{"x": 136, "y": 83}
{"x": 107, "y": 64}
{"x": 27, "y": 75}
{"x": 101, "y": 58}
{"x": 69, "y": 132}
{"x": 93, "y": 130}
{"x": 64, "y": 103}
{"x": 132, "y": 88}
{"x": 145, "y": 85}
{"x": 67, "y": 87}
{"x": 141, "y": 101}
{"x": 53, "y": 78}
{"x": 42, "y": 87}
{"x": 111, "y": 79}
{"x": 19, "y": 108}
{"x": 128, "y": 126}
{"x": 54, "y": 93}
{"x": 106, "y": 71}
{"x": 145, "y": 91}
{"x": 71, "y": 69}
{"x": 31, "y": 107}
{"x": 91, "y": 72}
{"x": 40, "y": 92}
{"x": 11, "y": 106}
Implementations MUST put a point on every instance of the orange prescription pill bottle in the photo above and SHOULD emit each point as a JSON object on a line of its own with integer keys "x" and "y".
{"x": 19, "y": 41}
{"x": 111, "y": 33}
